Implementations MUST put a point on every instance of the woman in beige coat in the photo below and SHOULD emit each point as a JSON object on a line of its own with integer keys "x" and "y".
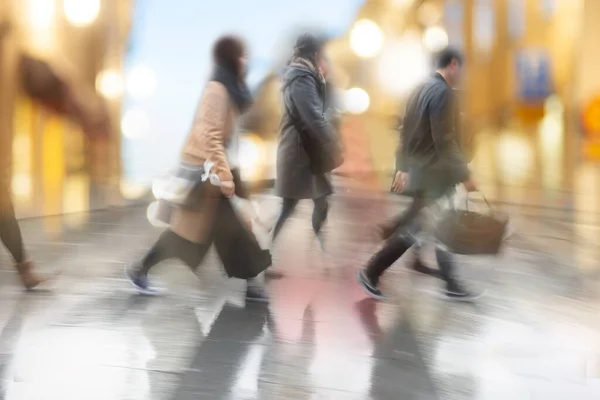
{"x": 192, "y": 231}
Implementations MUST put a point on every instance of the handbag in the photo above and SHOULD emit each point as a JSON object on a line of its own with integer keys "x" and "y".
{"x": 323, "y": 157}
{"x": 468, "y": 232}
{"x": 237, "y": 246}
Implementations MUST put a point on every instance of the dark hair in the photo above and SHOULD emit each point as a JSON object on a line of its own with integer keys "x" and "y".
{"x": 227, "y": 52}
{"x": 307, "y": 45}
{"x": 445, "y": 57}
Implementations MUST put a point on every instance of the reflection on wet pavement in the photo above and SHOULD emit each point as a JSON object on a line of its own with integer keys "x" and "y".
{"x": 534, "y": 336}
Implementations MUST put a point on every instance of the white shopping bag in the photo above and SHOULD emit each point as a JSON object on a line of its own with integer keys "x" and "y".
{"x": 245, "y": 209}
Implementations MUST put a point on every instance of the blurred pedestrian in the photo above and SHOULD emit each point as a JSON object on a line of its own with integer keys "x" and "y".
{"x": 212, "y": 219}
{"x": 10, "y": 234}
{"x": 308, "y": 148}
{"x": 42, "y": 83}
{"x": 429, "y": 168}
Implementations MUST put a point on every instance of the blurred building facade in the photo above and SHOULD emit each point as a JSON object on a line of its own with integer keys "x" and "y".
{"x": 531, "y": 98}
{"x": 60, "y": 137}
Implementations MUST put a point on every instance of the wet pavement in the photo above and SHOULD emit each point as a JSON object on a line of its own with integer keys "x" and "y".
{"x": 535, "y": 335}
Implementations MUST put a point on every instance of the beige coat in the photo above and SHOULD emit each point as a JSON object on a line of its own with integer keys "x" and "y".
{"x": 212, "y": 128}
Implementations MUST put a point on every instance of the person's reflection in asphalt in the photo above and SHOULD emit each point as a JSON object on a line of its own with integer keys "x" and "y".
{"x": 214, "y": 370}
{"x": 9, "y": 337}
{"x": 285, "y": 365}
{"x": 399, "y": 371}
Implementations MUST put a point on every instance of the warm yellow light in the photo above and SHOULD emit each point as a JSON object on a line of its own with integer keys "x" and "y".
{"x": 404, "y": 3}
{"x": 356, "y": 101}
{"x": 396, "y": 76}
{"x": 81, "y": 12}
{"x": 435, "y": 39}
{"x": 515, "y": 155}
{"x": 41, "y": 13}
{"x": 110, "y": 84}
{"x": 250, "y": 156}
{"x": 366, "y": 39}
{"x": 141, "y": 82}
{"x": 429, "y": 14}
{"x": 132, "y": 191}
{"x": 135, "y": 124}
{"x": 21, "y": 185}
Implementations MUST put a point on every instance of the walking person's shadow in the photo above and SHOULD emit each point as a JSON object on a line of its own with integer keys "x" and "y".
{"x": 399, "y": 371}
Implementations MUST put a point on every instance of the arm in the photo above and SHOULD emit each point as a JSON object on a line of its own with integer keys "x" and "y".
{"x": 442, "y": 130}
{"x": 309, "y": 105}
{"x": 401, "y": 152}
{"x": 209, "y": 127}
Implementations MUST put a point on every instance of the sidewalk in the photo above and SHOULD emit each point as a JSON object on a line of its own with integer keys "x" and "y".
{"x": 534, "y": 335}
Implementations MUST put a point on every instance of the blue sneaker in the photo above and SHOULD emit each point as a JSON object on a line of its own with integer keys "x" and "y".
{"x": 369, "y": 287}
{"x": 141, "y": 283}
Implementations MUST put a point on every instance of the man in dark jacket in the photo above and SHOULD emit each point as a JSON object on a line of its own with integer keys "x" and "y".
{"x": 429, "y": 165}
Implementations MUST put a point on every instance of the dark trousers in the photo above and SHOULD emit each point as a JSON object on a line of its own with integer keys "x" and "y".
{"x": 404, "y": 218}
{"x": 319, "y": 216}
{"x": 407, "y": 226}
{"x": 170, "y": 245}
{"x": 237, "y": 247}
{"x": 10, "y": 233}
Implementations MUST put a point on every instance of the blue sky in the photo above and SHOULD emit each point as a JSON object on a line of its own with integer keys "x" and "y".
{"x": 174, "y": 39}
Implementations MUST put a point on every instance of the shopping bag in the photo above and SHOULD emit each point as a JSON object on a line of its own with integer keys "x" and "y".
{"x": 239, "y": 250}
{"x": 469, "y": 232}
{"x": 183, "y": 186}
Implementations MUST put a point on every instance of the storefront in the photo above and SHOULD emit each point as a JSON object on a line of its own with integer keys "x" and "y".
{"x": 59, "y": 149}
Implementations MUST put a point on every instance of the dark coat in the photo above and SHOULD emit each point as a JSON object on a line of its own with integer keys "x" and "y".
{"x": 429, "y": 150}
{"x": 304, "y": 104}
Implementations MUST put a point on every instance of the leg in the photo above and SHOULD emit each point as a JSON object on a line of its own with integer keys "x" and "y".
{"x": 393, "y": 249}
{"x": 454, "y": 289}
{"x": 169, "y": 245}
{"x": 10, "y": 234}
{"x": 319, "y": 216}
{"x": 320, "y": 212}
{"x": 389, "y": 227}
{"x": 289, "y": 205}
{"x": 161, "y": 251}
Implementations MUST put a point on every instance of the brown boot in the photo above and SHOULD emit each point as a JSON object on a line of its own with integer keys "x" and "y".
{"x": 28, "y": 277}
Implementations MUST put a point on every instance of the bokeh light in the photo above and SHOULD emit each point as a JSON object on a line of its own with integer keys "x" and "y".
{"x": 516, "y": 158}
{"x": 135, "y": 124}
{"x": 140, "y": 82}
{"x": 131, "y": 190}
{"x": 435, "y": 39}
{"x": 402, "y": 65}
{"x": 366, "y": 38}
{"x": 41, "y": 13}
{"x": 110, "y": 84}
{"x": 250, "y": 156}
{"x": 356, "y": 101}
{"x": 81, "y": 12}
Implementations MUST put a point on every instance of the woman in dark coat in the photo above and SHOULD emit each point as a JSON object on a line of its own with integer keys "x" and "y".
{"x": 304, "y": 98}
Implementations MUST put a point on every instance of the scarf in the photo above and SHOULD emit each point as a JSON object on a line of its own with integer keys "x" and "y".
{"x": 303, "y": 62}
{"x": 236, "y": 88}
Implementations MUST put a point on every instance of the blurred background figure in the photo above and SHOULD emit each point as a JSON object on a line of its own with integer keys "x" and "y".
{"x": 308, "y": 144}
{"x": 194, "y": 229}
{"x": 56, "y": 90}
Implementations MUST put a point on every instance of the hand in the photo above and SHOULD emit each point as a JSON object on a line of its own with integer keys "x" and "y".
{"x": 400, "y": 182}
{"x": 470, "y": 185}
{"x": 228, "y": 188}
